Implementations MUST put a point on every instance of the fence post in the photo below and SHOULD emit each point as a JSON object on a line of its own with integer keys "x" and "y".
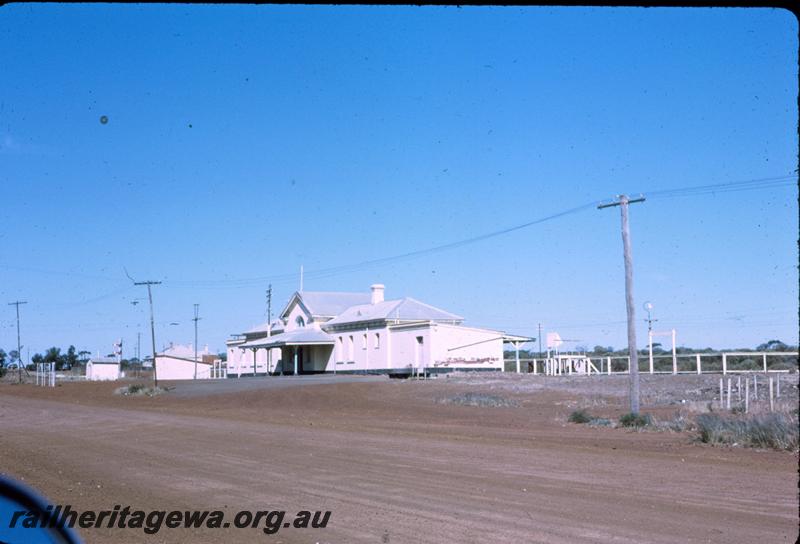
{"x": 755, "y": 387}
{"x": 609, "y": 366}
{"x": 729, "y": 394}
{"x": 764, "y": 356}
{"x": 771, "y": 405}
{"x": 724, "y": 363}
{"x": 721, "y": 394}
{"x": 674, "y": 356}
{"x": 778, "y": 385}
{"x": 746, "y": 394}
{"x": 699, "y": 371}
{"x": 739, "y": 388}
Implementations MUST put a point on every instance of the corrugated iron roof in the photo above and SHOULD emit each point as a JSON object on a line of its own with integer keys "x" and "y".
{"x": 324, "y": 303}
{"x": 103, "y": 361}
{"x": 405, "y": 309}
{"x": 308, "y": 335}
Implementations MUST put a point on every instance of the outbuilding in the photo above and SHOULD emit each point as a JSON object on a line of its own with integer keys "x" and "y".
{"x": 177, "y": 362}
{"x": 103, "y": 368}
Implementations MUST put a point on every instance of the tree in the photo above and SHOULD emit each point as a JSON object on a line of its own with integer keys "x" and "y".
{"x": 71, "y": 358}
{"x": 53, "y": 355}
{"x": 13, "y": 356}
{"x": 83, "y": 356}
{"x": 3, "y": 356}
{"x": 37, "y": 358}
{"x": 772, "y": 345}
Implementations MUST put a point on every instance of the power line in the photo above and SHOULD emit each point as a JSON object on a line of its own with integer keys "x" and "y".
{"x": 60, "y": 273}
{"x": 336, "y": 270}
{"x": 734, "y": 186}
{"x": 751, "y": 184}
{"x": 93, "y": 299}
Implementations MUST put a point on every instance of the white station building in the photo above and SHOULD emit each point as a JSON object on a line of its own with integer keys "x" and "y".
{"x": 364, "y": 333}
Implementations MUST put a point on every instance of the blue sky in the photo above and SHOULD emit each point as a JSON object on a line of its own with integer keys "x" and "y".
{"x": 245, "y": 141}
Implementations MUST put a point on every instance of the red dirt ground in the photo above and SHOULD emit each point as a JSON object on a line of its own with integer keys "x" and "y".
{"x": 391, "y": 464}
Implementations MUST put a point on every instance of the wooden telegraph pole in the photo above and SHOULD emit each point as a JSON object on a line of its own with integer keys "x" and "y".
{"x": 19, "y": 344}
{"x": 626, "y": 246}
{"x": 196, "y": 319}
{"x": 149, "y": 284}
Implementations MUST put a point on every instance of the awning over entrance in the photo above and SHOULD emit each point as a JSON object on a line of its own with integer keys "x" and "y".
{"x": 516, "y": 341}
{"x": 513, "y": 339}
{"x": 297, "y": 337}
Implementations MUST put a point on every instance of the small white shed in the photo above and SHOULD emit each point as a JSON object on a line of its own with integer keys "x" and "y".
{"x": 102, "y": 368}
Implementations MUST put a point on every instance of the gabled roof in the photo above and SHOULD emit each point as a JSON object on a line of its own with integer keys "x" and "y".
{"x": 277, "y": 326}
{"x": 404, "y": 309}
{"x": 186, "y": 351}
{"x": 326, "y": 303}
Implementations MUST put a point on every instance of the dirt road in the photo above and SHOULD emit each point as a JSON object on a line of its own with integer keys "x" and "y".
{"x": 391, "y": 464}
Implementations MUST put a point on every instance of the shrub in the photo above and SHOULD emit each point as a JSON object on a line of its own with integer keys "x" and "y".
{"x": 743, "y": 364}
{"x": 479, "y": 399}
{"x": 138, "y": 390}
{"x": 600, "y": 422}
{"x": 579, "y": 416}
{"x": 634, "y": 420}
{"x": 776, "y": 430}
{"x": 678, "y": 423}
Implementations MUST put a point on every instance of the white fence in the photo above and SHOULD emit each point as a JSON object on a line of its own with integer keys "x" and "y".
{"x": 749, "y": 395}
{"x": 731, "y": 362}
{"x": 218, "y": 370}
{"x": 45, "y": 374}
